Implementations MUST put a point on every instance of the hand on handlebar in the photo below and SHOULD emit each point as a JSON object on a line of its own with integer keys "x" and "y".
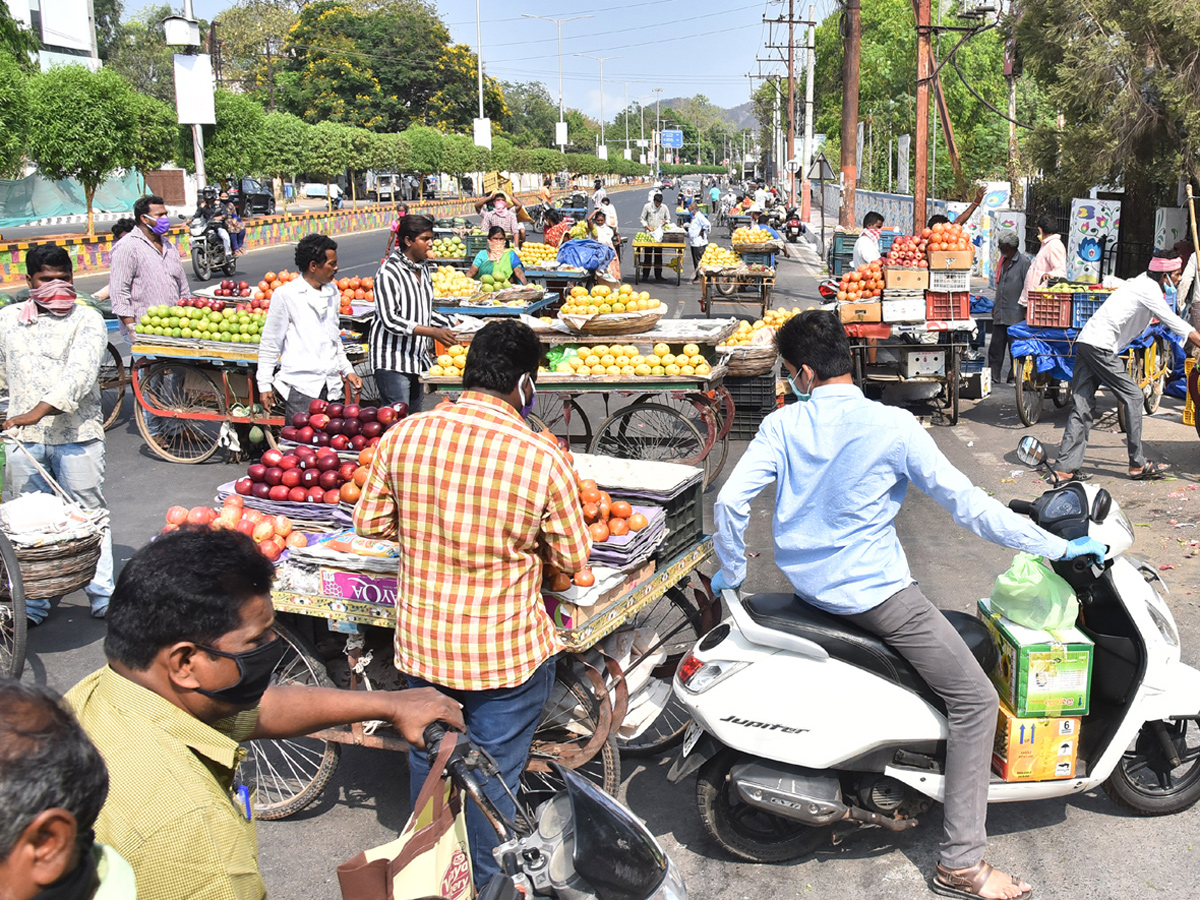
{"x": 416, "y": 708}
{"x": 1086, "y": 546}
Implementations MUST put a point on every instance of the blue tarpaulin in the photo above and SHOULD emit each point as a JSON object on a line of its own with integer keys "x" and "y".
{"x": 585, "y": 253}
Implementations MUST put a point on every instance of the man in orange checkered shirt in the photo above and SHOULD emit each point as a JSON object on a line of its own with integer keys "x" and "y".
{"x": 476, "y": 501}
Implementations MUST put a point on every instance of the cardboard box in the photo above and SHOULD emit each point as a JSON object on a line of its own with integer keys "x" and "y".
{"x": 904, "y": 310}
{"x": 861, "y": 312}
{"x": 360, "y": 586}
{"x": 1042, "y": 749}
{"x": 976, "y": 385}
{"x": 1040, "y": 673}
{"x": 566, "y": 614}
{"x": 952, "y": 259}
{"x": 915, "y": 363}
{"x": 905, "y": 279}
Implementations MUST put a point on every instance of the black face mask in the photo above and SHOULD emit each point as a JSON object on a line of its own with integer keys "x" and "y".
{"x": 255, "y": 667}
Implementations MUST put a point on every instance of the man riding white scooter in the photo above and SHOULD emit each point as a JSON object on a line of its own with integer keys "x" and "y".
{"x": 842, "y": 465}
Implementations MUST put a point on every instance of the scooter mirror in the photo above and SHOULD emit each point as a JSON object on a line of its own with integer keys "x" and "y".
{"x": 1031, "y": 452}
{"x": 1101, "y": 505}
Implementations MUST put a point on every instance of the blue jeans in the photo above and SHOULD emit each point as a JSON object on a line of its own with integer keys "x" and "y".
{"x": 79, "y": 468}
{"x": 501, "y": 721}
{"x": 397, "y": 387}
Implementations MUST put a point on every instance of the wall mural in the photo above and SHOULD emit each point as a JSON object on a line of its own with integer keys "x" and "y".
{"x": 1170, "y": 225}
{"x": 1093, "y": 226}
{"x": 979, "y": 226}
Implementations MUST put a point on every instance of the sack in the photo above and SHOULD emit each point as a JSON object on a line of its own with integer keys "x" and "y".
{"x": 430, "y": 858}
{"x": 1032, "y": 595}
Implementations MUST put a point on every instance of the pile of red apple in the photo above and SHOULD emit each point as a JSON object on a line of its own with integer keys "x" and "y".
{"x": 306, "y": 475}
{"x": 230, "y": 288}
{"x": 341, "y": 426}
{"x": 271, "y": 533}
{"x": 201, "y": 303}
{"x": 908, "y": 252}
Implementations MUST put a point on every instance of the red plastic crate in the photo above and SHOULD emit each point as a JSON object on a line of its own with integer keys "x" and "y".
{"x": 947, "y": 307}
{"x": 1049, "y": 309}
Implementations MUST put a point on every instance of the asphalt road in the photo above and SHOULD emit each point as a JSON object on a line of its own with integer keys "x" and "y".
{"x": 1080, "y": 847}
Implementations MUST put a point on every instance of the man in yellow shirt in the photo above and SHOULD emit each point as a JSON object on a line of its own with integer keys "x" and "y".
{"x": 191, "y": 650}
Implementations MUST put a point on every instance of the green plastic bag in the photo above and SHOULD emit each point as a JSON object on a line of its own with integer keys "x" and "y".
{"x": 1032, "y": 595}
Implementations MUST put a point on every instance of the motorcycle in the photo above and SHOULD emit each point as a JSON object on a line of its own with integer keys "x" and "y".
{"x": 865, "y": 742}
{"x": 580, "y": 844}
{"x": 208, "y": 250}
{"x": 775, "y": 216}
{"x": 793, "y": 227}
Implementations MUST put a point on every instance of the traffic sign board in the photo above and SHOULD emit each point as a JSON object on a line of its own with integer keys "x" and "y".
{"x": 793, "y": 166}
{"x": 672, "y": 138}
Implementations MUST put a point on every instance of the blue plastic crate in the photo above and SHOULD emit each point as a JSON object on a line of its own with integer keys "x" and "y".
{"x": 1084, "y": 306}
{"x": 843, "y": 241}
{"x": 840, "y": 265}
{"x": 756, "y": 259}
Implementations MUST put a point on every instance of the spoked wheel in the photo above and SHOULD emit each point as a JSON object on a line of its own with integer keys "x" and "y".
{"x": 746, "y": 831}
{"x": 575, "y": 731}
{"x": 677, "y": 624}
{"x": 112, "y": 386}
{"x": 1146, "y": 782}
{"x": 563, "y": 419}
{"x": 288, "y": 775}
{"x": 12, "y": 612}
{"x": 1061, "y": 395}
{"x": 726, "y": 286}
{"x": 650, "y": 431}
{"x": 184, "y": 405}
{"x": 1029, "y": 394}
{"x": 1154, "y": 365}
{"x": 706, "y": 414}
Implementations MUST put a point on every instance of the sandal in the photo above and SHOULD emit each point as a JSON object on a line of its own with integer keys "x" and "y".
{"x": 969, "y": 882}
{"x": 1151, "y": 471}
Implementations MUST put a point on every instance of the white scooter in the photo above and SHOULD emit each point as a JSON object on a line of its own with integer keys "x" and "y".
{"x": 802, "y": 720}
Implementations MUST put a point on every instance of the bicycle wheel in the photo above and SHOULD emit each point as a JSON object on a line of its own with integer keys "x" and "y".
{"x": 12, "y": 612}
{"x": 650, "y": 431}
{"x": 112, "y": 386}
{"x": 1029, "y": 393}
{"x": 1154, "y": 367}
{"x": 706, "y": 416}
{"x": 550, "y": 414}
{"x": 184, "y": 405}
{"x": 288, "y": 775}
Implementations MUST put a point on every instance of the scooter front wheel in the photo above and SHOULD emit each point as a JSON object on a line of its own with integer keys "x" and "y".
{"x": 745, "y": 831}
{"x": 1146, "y": 782}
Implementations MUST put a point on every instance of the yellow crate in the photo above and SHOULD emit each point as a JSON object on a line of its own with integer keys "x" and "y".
{"x": 1189, "y": 408}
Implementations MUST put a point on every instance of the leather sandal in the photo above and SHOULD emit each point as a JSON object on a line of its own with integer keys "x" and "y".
{"x": 969, "y": 882}
{"x": 1151, "y": 471}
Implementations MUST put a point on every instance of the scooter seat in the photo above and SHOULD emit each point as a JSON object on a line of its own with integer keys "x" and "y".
{"x": 847, "y": 642}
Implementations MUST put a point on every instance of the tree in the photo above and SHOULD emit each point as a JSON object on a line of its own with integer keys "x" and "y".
{"x": 393, "y": 153}
{"x": 581, "y": 132}
{"x": 460, "y": 155}
{"x": 139, "y": 52}
{"x": 234, "y": 146}
{"x": 328, "y": 153}
{"x": 156, "y": 128}
{"x": 79, "y": 126}
{"x": 17, "y": 40}
{"x": 456, "y": 104}
{"x": 362, "y": 151}
{"x": 243, "y": 31}
{"x": 547, "y": 162}
{"x": 107, "y": 16}
{"x": 14, "y": 109}
{"x": 426, "y": 145}
{"x": 284, "y": 148}
{"x": 532, "y": 114}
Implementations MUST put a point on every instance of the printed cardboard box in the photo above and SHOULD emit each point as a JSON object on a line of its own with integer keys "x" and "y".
{"x": 1040, "y": 749}
{"x": 1040, "y": 673}
{"x": 361, "y": 586}
{"x": 861, "y": 312}
{"x": 952, "y": 259}
{"x": 897, "y": 278}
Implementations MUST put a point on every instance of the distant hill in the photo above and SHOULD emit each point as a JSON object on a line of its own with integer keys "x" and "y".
{"x": 738, "y": 117}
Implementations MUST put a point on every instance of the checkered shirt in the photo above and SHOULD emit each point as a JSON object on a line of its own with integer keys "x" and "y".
{"x": 475, "y": 500}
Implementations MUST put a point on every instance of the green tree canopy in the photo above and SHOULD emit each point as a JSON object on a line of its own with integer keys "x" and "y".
{"x": 328, "y": 152}
{"x": 17, "y": 40}
{"x": 531, "y": 115}
{"x": 139, "y": 52}
{"x": 284, "y": 150}
{"x": 156, "y": 127}
{"x": 14, "y": 112}
{"x": 234, "y": 146}
{"x": 456, "y": 103}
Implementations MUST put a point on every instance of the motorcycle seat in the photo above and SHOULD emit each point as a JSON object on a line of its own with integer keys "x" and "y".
{"x": 858, "y": 647}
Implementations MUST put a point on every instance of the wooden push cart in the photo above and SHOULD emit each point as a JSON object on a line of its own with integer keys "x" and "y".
{"x": 736, "y": 285}
{"x": 670, "y": 256}
{"x": 349, "y": 643}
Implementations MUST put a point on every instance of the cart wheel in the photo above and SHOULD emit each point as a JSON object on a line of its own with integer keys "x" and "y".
{"x": 112, "y": 386}
{"x": 726, "y": 285}
{"x": 568, "y": 734}
{"x": 1029, "y": 394}
{"x": 187, "y": 407}
{"x": 706, "y": 416}
{"x": 1154, "y": 363}
{"x": 12, "y": 612}
{"x": 676, "y": 621}
{"x": 650, "y": 431}
{"x": 288, "y": 775}
{"x": 1061, "y": 395}
{"x": 549, "y": 414}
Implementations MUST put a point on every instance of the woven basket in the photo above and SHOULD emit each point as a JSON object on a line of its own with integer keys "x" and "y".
{"x": 763, "y": 247}
{"x": 53, "y": 570}
{"x": 749, "y": 360}
{"x": 612, "y": 323}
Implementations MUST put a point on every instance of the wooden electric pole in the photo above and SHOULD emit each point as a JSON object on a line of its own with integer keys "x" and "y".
{"x": 853, "y": 46}
{"x": 921, "y": 176}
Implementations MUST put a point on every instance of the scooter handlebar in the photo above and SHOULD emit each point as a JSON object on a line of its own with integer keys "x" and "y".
{"x": 1024, "y": 507}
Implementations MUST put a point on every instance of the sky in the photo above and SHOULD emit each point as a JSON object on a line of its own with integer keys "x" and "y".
{"x": 686, "y": 47}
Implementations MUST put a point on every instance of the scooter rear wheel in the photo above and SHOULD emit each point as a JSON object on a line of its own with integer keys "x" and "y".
{"x": 1144, "y": 781}
{"x": 745, "y": 831}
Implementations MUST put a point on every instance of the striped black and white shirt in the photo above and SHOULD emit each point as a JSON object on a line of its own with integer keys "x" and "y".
{"x": 403, "y": 300}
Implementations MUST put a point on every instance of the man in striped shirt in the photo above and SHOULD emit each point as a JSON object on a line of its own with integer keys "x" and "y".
{"x": 145, "y": 266}
{"x": 476, "y": 501}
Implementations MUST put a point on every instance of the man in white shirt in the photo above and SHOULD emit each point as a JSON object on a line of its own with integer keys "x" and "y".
{"x": 697, "y": 233}
{"x": 1124, "y": 316}
{"x": 597, "y": 195}
{"x": 303, "y": 333}
{"x": 760, "y": 196}
{"x": 866, "y": 248}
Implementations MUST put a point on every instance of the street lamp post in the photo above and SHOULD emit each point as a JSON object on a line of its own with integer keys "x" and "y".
{"x": 479, "y": 55}
{"x": 657, "y": 130}
{"x": 559, "y": 23}
{"x": 183, "y": 32}
{"x": 601, "y": 60}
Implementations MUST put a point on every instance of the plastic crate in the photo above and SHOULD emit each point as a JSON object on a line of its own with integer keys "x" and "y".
{"x": 751, "y": 391}
{"x": 1084, "y": 305}
{"x": 941, "y": 306}
{"x": 745, "y": 423}
{"x": 685, "y": 522}
{"x": 886, "y": 239}
{"x": 756, "y": 259}
{"x": 969, "y": 364}
{"x": 843, "y": 241}
{"x": 1049, "y": 309}
{"x": 840, "y": 265}
{"x": 474, "y": 243}
{"x": 949, "y": 280}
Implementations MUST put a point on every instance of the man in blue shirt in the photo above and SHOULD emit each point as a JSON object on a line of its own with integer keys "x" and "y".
{"x": 842, "y": 465}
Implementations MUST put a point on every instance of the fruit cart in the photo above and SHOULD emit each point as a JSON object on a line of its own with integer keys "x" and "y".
{"x": 672, "y": 257}
{"x": 470, "y": 309}
{"x": 736, "y": 221}
{"x": 920, "y": 353}
{"x": 672, "y": 418}
{"x": 665, "y": 603}
{"x": 1043, "y": 362}
{"x": 742, "y": 284}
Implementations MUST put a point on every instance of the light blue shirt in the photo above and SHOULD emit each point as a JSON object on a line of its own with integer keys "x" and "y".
{"x": 841, "y": 466}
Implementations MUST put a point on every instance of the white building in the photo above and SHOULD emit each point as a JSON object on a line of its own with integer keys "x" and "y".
{"x": 66, "y": 28}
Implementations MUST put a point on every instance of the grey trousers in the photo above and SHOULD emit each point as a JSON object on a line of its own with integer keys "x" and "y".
{"x": 923, "y": 636}
{"x": 1094, "y": 367}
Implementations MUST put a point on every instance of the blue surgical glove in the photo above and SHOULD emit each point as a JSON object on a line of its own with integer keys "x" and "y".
{"x": 1086, "y": 546}
{"x": 721, "y": 583}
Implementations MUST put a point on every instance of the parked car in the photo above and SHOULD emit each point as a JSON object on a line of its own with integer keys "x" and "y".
{"x": 252, "y": 197}
{"x": 317, "y": 189}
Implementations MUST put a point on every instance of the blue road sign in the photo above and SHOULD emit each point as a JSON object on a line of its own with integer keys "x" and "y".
{"x": 672, "y": 138}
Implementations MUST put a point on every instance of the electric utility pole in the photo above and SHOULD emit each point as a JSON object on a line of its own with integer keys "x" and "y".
{"x": 853, "y": 47}
{"x": 921, "y": 176}
{"x": 791, "y": 21}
